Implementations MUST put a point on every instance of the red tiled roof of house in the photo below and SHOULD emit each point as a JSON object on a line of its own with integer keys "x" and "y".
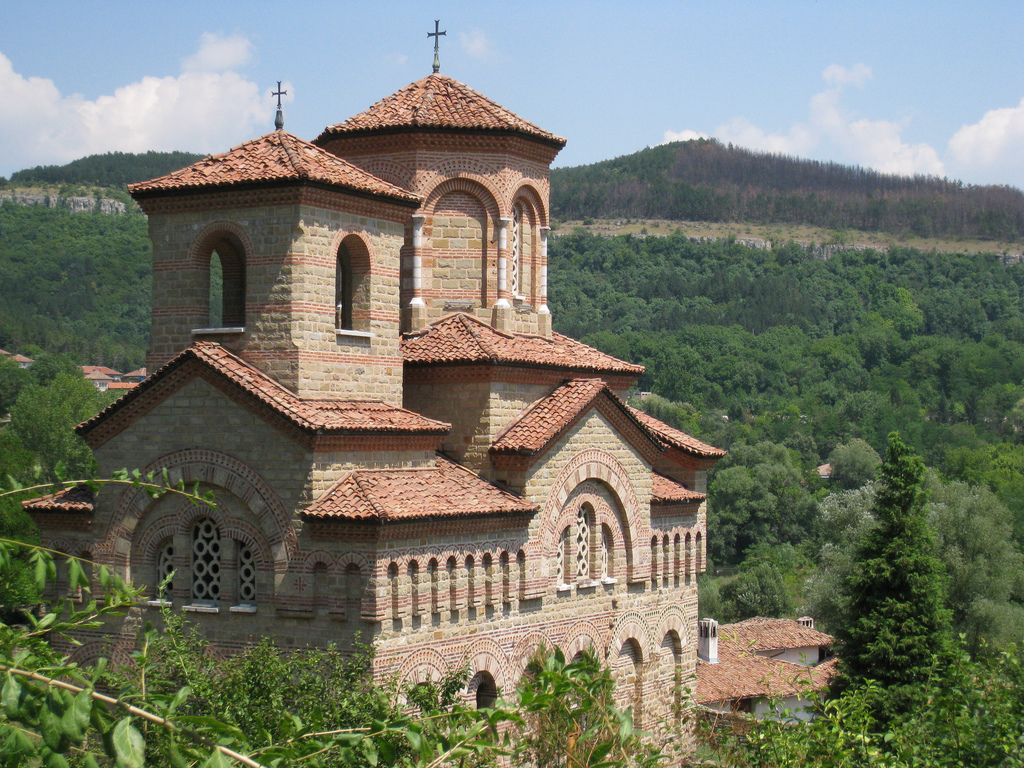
{"x": 443, "y": 490}
{"x": 273, "y": 157}
{"x": 666, "y": 490}
{"x": 19, "y": 358}
{"x": 438, "y": 102}
{"x": 747, "y": 675}
{"x": 675, "y": 438}
{"x": 465, "y": 339}
{"x": 78, "y": 498}
{"x": 122, "y": 385}
{"x": 328, "y": 416}
{"x": 765, "y": 634}
{"x": 138, "y": 373}
{"x": 87, "y": 369}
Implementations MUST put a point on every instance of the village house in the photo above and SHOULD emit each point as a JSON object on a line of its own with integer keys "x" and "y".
{"x": 402, "y": 449}
{"x": 762, "y": 666}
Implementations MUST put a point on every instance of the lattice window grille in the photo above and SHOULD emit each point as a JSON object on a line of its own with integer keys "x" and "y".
{"x": 205, "y": 560}
{"x": 582, "y": 544}
{"x": 515, "y": 250}
{"x": 246, "y": 575}
{"x": 606, "y": 546}
{"x": 164, "y": 568}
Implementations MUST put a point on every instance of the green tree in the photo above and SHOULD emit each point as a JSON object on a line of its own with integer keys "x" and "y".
{"x": 759, "y": 591}
{"x": 853, "y": 464}
{"x": 898, "y": 623}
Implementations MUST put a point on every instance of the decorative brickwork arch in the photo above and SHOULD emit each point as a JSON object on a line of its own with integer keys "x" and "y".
{"x": 601, "y": 466}
{"x": 673, "y": 619}
{"x": 582, "y": 635}
{"x": 423, "y": 666}
{"x": 475, "y": 186}
{"x": 525, "y": 648}
{"x": 528, "y": 193}
{"x": 630, "y": 625}
{"x": 487, "y": 656}
{"x": 465, "y": 175}
{"x": 353, "y": 266}
{"x": 395, "y": 173}
{"x": 588, "y": 494}
{"x": 270, "y": 520}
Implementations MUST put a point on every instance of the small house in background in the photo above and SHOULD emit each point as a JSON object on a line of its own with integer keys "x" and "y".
{"x": 109, "y": 372}
{"x": 21, "y": 360}
{"x": 746, "y": 666}
{"x": 99, "y": 380}
{"x": 825, "y": 471}
{"x": 136, "y": 376}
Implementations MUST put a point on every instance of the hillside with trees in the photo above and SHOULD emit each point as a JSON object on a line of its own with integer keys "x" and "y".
{"x": 112, "y": 169}
{"x": 704, "y": 180}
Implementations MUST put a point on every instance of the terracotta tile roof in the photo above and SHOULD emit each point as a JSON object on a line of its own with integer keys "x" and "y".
{"x": 138, "y": 373}
{"x": 764, "y": 634}
{"x": 669, "y": 491}
{"x": 274, "y": 157}
{"x": 98, "y": 376}
{"x": 78, "y": 498}
{"x": 443, "y": 490}
{"x": 465, "y": 339}
{"x": 748, "y": 675}
{"x": 122, "y": 385}
{"x": 439, "y": 102}
{"x": 87, "y": 369}
{"x": 324, "y": 416}
{"x": 677, "y": 439}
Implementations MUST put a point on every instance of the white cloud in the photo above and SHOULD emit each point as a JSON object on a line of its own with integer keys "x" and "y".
{"x": 475, "y": 43}
{"x": 833, "y": 131}
{"x": 208, "y": 107}
{"x": 218, "y": 53}
{"x": 686, "y": 135}
{"x": 992, "y": 148}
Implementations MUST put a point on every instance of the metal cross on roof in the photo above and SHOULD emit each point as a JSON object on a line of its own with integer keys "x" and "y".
{"x": 436, "y": 34}
{"x": 279, "y": 120}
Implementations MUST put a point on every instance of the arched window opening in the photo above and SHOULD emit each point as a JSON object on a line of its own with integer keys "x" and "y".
{"x": 486, "y": 691}
{"x": 205, "y": 561}
{"x": 227, "y": 284}
{"x": 672, "y": 671}
{"x": 246, "y": 575}
{"x": 699, "y": 554}
{"x": 352, "y": 285}
{"x": 583, "y": 526}
{"x": 506, "y": 579}
{"x": 165, "y": 570}
{"x": 629, "y": 678}
{"x": 688, "y": 559}
{"x": 488, "y": 566}
{"x": 515, "y": 248}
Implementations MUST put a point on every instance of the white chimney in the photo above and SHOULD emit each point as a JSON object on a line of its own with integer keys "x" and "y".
{"x": 707, "y": 640}
{"x": 806, "y": 621}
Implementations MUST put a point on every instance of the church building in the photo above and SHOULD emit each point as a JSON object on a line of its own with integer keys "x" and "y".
{"x": 402, "y": 450}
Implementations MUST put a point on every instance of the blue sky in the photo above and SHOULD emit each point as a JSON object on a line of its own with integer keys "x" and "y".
{"x": 908, "y": 87}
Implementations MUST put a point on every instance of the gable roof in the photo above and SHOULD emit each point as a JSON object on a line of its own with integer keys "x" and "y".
{"x": 748, "y": 675}
{"x": 445, "y": 489}
{"x": 547, "y": 418}
{"x": 76, "y": 499}
{"x": 321, "y": 416}
{"x": 676, "y": 438}
{"x": 667, "y": 491}
{"x": 437, "y": 102}
{"x": 766, "y": 634}
{"x": 461, "y": 339}
{"x": 272, "y": 158}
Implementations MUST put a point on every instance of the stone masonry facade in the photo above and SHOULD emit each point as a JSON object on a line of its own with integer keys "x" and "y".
{"x": 402, "y": 450}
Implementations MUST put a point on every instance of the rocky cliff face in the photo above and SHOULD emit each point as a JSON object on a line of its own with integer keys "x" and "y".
{"x": 73, "y": 204}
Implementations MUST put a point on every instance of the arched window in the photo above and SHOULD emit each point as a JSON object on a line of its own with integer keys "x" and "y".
{"x": 434, "y": 596}
{"x": 515, "y": 252}
{"x": 470, "y": 582}
{"x": 205, "y": 561}
{"x": 352, "y": 285}
{"x": 506, "y": 580}
{"x": 393, "y": 589}
{"x": 521, "y": 565}
{"x": 666, "y": 562}
{"x": 227, "y": 283}
{"x": 699, "y": 554}
{"x": 452, "y": 567}
{"x": 486, "y": 692}
{"x": 321, "y": 590}
{"x": 688, "y": 559}
{"x": 677, "y": 564}
{"x": 488, "y": 566}
{"x": 654, "y": 562}
{"x": 606, "y": 553}
{"x": 414, "y": 586}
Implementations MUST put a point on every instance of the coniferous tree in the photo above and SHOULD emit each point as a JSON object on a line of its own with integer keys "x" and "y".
{"x": 897, "y": 625}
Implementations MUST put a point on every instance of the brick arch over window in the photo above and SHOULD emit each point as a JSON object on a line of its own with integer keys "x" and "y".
{"x": 601, "y": 466}
{"x": 581, "y": 636}
{"x": 528, "y": 195}
{"x": 232, "y": 246}
{"x": 487, "y": 656}
{"x": 208, "y": 468}
{"x": 423, "y": 666}
{"x": 353, "y": 265}
{"x": 630, "y": 625}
